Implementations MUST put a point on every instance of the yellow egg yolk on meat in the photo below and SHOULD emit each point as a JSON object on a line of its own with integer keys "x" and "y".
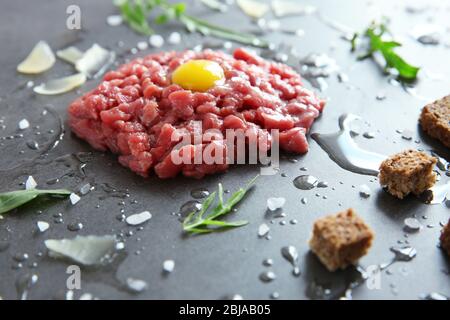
{"x": 198, "y": 75}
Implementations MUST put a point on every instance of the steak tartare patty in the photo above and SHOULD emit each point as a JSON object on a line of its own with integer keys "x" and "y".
{"x": 137, "y": 108}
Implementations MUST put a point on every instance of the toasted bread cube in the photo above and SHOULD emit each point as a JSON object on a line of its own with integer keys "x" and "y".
{"x": 435, "y": 120}
{"x": 445, "y": 238}
{"x": 407, "y": 172}
{"x": 340, "y": 240}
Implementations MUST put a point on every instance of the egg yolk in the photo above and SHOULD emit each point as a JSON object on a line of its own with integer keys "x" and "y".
{"x": 198, "y": 75}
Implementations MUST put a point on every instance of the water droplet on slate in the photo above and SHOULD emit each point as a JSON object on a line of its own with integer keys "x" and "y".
{"x": 267, "y": 276}
{"x": 76, "y": 226}
{"x": 199, "y": 193}
{"x": 32, "y": 144}
{"x": 369, "y": 135}
{"x": 305, "y": 182}
{"x": 268, "y": 262}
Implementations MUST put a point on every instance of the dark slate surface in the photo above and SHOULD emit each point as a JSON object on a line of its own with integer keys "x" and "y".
{"x": 217, "y": 265}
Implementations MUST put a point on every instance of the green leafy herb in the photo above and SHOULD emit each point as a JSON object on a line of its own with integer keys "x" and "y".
{"x": 198, "y": 222}
{"x": 135, "y": 13}
{"x": 376, "y": 34}
{"x": 14, "y": 199}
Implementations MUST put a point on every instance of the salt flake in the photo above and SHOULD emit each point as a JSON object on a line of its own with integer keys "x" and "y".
{"x": 168, "y": 266}
{"x": 263, "y": 229}
{"x": 275, "y": 203}
{"x": 24, "y": 124}
{"x": 156, "y": 41}
{"x": 174, "y": 38}
{"x": 138, "y": 218}
{"x": 42, "y": 226}
{"x": 30, "y": 183}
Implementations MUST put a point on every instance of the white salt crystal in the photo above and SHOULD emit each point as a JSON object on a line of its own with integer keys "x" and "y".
{"x": 87, "y": 296}
{"x": 85, "y": 189}
{"x": 74, "y": 198}
{"x": 168, "y": 266}
{"x": 142, "y": 45}
{"x": 42, "y": 226}
{"x": 114, "y": 20}
{"x": 24, "y": 124}
{"x": 275, "y": 203}
{"x": 69, "y": 295}
{"x": 30, "y": 183}
{"x": 138, "y": 218}
{"x": 174, "y": 38}
{"x": 136, "y": 285}
{"x": 156, "y": 40}
{"x": 263, "y": 229}
{"x": 120, "y": 246}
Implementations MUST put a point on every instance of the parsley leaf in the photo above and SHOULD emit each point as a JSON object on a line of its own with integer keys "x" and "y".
{"x": 375, "y": 34}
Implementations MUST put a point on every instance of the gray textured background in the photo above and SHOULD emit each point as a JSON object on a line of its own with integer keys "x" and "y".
{"x": 217, "y": 265}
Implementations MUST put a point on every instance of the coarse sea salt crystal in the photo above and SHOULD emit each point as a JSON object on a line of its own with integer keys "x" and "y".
{"x": 275, "y": 203}
{"x": 142, "y": 45}
{"x": 114, "y": 20}
{"x": 156, "y": 41}
{"x": 412, "y": 224}
{"x": 263, "y": 229}
{"x": 136, "y": 285}
{"x": 120, "y": 246}
{"x": 168, "y": 266}
{"x": 30, "y": 183}
{"x": 42, "y": 226}
{"x": 74, "y": 198}
{"x": 69, "y": 295}
{"x": 24, "y": 124}
{"x": 138, "y": 218}
{"x": 174, "y": 38}
{"x": 87, "y": 296}
{"x": 85, "y": 189}
{"x": 364, "y": 191}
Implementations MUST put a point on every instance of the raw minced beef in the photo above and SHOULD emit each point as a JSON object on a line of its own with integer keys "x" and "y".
{"x": 136, "y": 109}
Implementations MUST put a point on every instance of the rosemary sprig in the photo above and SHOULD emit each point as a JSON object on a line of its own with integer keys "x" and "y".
{"x": 198, "y": 222}
{"x": 375, "y": 33}
{"x": 135, "y": 14}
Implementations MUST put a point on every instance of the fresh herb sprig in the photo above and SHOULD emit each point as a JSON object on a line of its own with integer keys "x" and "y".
{"x": 376, "y": 33}
{"x": 14, "y": 199}
{"x": 198, "y": 222}
{"x": 136, "y": 12}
